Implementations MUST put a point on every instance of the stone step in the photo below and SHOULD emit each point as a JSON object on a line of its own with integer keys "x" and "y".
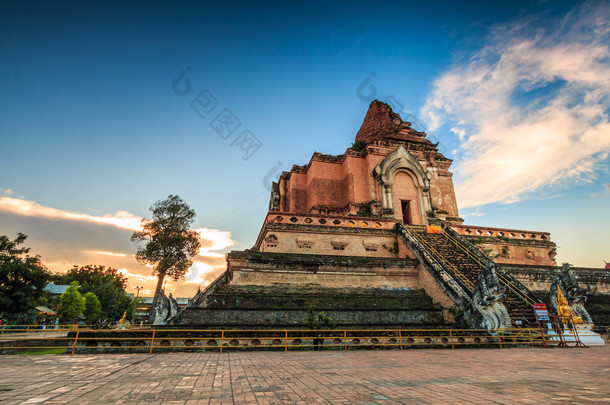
{"x": 471, "y": 269}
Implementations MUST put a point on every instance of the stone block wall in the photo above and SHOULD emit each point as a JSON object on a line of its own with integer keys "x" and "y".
{"x": 286, "y": 306}
{"x": 266, "y": 269}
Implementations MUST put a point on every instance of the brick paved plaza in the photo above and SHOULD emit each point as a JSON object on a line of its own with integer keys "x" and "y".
{"x": 479, "y": 376}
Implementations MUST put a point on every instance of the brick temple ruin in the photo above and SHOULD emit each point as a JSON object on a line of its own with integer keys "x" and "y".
{"x": 373, "y": 238}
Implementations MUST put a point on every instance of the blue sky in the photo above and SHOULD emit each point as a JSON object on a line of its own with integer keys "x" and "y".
{"x": 516, "y": 93}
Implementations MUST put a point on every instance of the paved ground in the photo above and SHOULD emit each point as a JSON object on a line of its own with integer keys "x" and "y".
{"x": 481, "y": 376}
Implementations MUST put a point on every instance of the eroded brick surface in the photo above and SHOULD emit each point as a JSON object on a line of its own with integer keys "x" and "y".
{"x": 481, "y": 376}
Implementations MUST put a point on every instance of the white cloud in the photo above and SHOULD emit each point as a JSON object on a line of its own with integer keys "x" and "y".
{"x": 196, "y": 274}
{"x": 214, "y": 239}
{"x": 530, "y": 109}
{"x": 476, "y": 213}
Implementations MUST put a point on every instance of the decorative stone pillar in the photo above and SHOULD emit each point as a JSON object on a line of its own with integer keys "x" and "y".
{"x": 384, "y": 199}
{"x": 388, "y": 196}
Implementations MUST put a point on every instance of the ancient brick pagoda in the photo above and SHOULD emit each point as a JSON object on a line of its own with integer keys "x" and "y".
{"x": 393, "y": 173}
{"x": 364, "y": 234}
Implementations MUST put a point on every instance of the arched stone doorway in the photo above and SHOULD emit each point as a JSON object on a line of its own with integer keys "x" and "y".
{"x": 406, "y": 199}
{"x": 404, "y": 187}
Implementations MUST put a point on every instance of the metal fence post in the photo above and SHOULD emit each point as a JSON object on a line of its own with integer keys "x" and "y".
{"x": 75, "y": 340}
{"x": 152, "y": 341}
{"x": 451, "y": 340}
{"x": 286, "y": 341}
{"x": 222, "y": 338}
{"x": 400, "y": 338}
{"x": 345, "y": 339}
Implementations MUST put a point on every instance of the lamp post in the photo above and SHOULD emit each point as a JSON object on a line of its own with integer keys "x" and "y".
{"x": 138, "y": 288}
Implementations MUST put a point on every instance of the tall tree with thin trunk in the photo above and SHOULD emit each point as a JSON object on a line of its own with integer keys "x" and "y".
{"x": 169, "y": 241}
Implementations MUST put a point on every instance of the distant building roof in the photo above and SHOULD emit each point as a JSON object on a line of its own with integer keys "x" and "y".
{"x": 56, "y": 289}
{"x": 180, "y": 301}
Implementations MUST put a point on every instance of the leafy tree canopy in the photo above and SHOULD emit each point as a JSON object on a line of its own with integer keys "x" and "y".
{"x": 22, "y": 277}
{"x": 169, "y": 242}
{"x": 71, "y": 304}
{"x": 107, "y": 284}
{"x": 93, "y": 308}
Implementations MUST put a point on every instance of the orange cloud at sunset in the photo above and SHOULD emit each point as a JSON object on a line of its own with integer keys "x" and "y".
{"x": 20, "y": 206}
{"x": 63, "y": 239}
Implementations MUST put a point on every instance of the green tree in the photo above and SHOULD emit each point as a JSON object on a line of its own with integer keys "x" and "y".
{"x": 169, "y": 242}
{"x": 71, "y": 304}
{"x": 107, "y": 284}
{"x": 22, "y": 277}
{"x": 93, "y": 308}
{"x": 319, "y": 320}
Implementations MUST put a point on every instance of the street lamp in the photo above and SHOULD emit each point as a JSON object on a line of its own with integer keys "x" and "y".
{"x": 138, "y": 288}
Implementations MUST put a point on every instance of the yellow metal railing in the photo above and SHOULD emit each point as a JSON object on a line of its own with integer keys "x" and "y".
{"x": 25, "y": 330}
{"x": 413, "y": 231}
{"x": 151, "y": 340}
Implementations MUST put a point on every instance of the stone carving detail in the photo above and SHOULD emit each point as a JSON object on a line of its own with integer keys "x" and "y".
{"x": 165, "y": 310}
{"x": 566, "y": 280}
{"x": 489, "y": 296}
{"x": 370, "y": 245}
{"x": 305, "y": 243}
{"x": 338, "y": 245}
{"x": 271, "y": 240}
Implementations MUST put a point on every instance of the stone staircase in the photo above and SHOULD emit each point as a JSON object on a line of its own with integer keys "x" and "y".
{"x": 465, "y": 263}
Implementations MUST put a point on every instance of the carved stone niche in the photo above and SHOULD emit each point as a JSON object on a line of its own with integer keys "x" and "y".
{"x": 370, "y": 246}
{"x": 338, "y": 245}
{"x": 305, "y": 243}
{"x": 271, "y": 240}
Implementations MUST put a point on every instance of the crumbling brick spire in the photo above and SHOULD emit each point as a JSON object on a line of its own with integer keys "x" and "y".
{"x": 380, "y": 122}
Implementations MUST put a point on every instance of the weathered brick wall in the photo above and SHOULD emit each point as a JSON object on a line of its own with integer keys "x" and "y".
{"x": 340, "y": 244}
{"x": 442, "y": 195}
{"x": 359, "y": 319}
{"x": 514, "y": 251}
{"x": 266, "y": 269}
{"x": 433, "y": 289}
{"x": 287, "y": 306}
{"x": 540, "y": 278}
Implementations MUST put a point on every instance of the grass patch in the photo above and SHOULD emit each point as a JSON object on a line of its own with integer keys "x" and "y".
{"x": 33, "y": 352}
